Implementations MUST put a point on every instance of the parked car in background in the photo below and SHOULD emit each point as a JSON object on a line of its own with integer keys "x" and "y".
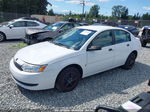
{"x": 84, "y": 24}
{"x": 98, "y": 24}
{"x": 15, "y": 29}
{"x": 131, "y": 29}
{"x": 110, "y": 23}
{"x": 75, "y": 54}
{"x": 34, "y": 18}
{"x": 35, "y": 35}
{"x": 140, "y": 103}
{"x": 144, "y": 35}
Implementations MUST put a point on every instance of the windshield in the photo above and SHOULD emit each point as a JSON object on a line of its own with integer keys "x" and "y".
{"x": 6, "y": 23}
{"x": 74, "y": 39}
{"x": 53, "y": 27}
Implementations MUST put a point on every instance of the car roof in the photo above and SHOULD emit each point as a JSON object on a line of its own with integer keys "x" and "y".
{"x": 126, "y": 26}
{"x": 98, "y": 28}
{"x": 147, "y": 27}
{"x": 25, "y": 20}
{"x": 63, "y": 22}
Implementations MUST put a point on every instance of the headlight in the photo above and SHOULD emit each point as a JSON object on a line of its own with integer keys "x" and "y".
{"x": 33, "y": 68}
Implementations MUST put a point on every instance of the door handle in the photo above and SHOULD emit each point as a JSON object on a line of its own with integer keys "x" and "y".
{"x": 110, "y": 49}
{"x": 128, "y": 45}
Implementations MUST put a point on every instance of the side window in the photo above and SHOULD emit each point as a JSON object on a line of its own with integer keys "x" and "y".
{"x": 121, "y": 36}
{"x": 32, "y": 24}
{"x": 103, "y": 39}
{"x": 19, "y": 24}
{"x": 67, "y": 27}
{"x": 76, "y": 25}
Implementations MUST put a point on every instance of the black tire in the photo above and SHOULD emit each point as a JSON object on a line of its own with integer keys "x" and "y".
{"x": 143, "y": 43}
{"x": 34, "y": 41}
{"x": 68, "y": 79}
{"x": 2, "y": 37}
{"x": 130, "y": 61}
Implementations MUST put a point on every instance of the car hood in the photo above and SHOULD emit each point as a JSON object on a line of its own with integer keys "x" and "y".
{"x": 43, "y": 53}
{"x": 4, "y": 27}
{"x": 31, "y": 31}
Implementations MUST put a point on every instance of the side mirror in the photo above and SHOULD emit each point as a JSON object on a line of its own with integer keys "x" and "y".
{"x": 93, "y": 48}
{"x": 106, "y": 109}
{"x": 11, "y": 26}
{"x": 149, "y": 83}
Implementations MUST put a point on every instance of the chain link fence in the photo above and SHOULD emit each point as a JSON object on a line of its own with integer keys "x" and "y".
{"x": 6, "y": 16}
{"x": 136, "y": 23}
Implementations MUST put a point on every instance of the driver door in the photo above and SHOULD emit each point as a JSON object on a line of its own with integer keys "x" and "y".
{"x": 101, "y": 60}
{"x": 18, "y": 30}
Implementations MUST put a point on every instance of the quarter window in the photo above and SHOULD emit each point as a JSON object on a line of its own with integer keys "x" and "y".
{"x": 103, "y": 39}
{"x": 121, "y": 36}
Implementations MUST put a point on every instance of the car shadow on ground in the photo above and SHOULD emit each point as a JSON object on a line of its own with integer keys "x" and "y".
{"x": 12, "y": 41}
{"x": 148, "y": 45}
{"x": 94, "y": 87}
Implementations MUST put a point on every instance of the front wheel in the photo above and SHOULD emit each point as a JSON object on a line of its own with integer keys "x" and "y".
{"x": 130, "y": 61}
{"x": 68, "y": 79}
{"x": 2, "y": 37}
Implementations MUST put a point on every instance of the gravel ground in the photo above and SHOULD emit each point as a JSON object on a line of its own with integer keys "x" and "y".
{"x": 111, "y": 88}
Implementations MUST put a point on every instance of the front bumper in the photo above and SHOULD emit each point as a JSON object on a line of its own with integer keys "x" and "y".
{"x": 31, "y": 81}
{"x": 30, "y": 39}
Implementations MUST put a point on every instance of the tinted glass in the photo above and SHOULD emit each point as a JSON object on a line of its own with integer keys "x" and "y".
{"x": 67, "y": 26}
{"x": 19, "y": 24}
{"x": 103, "y": 39}
{"x": 32, "y": 24}
{"x": 54, "y": 27}
{"x": 121, "y": 36}
{"x": 74, "y": 39}
{"x": 76, "y": 25}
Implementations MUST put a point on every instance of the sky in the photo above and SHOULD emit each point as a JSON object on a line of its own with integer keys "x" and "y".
{"x": 65, "y": 6}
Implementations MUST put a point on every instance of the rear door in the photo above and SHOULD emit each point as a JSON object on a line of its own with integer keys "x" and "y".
{"x": 31, "y": 24}
{"x": 122, "y": 46}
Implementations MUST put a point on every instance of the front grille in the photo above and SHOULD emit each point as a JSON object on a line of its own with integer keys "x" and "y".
{"x": 18, "y": 66}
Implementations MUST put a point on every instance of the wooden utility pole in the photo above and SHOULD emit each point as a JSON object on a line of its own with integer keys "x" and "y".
{"x": 83, "y": 5}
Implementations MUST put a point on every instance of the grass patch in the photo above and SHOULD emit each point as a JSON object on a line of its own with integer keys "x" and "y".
{"x": 20, "y": 45}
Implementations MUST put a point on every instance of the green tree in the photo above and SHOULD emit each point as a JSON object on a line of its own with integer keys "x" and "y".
{"x": 146, "y": 16}
{"x": 136, "y": 16}
{"x": 120, "y": 12}
{"x": 94, "y": 11}
{"x": 24, "y": 6}
{"x": 51, "y": 13}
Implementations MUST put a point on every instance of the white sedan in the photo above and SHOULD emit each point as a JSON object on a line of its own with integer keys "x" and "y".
{"x": 15, "y": 29}
{"x": 78, "y": 53}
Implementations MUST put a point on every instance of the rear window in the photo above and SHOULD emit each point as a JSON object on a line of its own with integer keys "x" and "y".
{"x": 146, "y": 31}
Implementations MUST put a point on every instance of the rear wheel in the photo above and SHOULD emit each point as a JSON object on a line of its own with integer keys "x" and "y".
{"x": 143, "y": 43}
{"x": 130, "y": 61}
{"x": 68, "y": 79}
{"x": 2, "y": 37}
